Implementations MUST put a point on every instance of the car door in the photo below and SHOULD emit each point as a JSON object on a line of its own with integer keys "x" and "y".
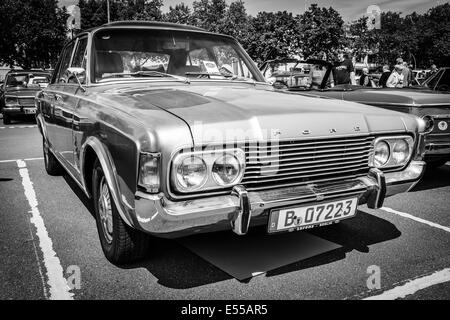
{"x": 58, "y": 117}
{"x": 73, "y": 94}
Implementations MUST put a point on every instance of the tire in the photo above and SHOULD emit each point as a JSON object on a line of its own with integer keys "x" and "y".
{"x": 6, "y": 119}
{"x": 120, "y": 243}
{"x": 436, "y": 163}
{"x": 52, "y": 165}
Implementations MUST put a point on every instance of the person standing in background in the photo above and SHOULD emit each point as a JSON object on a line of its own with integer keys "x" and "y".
{"x": 407, "y": 75}
{"x": 365, "y": 80}
{"x": 343, "y": 70}
{"x": 396, "y": 78}
{"x": 384, "y": 76}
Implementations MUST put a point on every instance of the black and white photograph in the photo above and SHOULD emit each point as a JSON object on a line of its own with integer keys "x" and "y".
{"x": 225, "y": 155}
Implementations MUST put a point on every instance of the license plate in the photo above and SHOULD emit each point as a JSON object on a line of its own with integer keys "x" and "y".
{"x": 30, "y": 111}
{"x": 300, "y": 218}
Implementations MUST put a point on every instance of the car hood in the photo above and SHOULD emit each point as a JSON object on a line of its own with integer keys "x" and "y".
{"x": 216, "y": 114}
{"x": 420, "y": 97}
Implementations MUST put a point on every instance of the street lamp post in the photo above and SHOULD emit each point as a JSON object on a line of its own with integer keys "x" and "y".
{"x": 107, "y": 9}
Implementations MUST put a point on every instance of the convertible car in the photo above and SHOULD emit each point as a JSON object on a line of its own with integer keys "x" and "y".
{"x": 172, "y": 130}
{"x": 424, "y": 101}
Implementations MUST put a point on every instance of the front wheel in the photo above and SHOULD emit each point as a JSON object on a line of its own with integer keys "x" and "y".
{"x": 6, "y": 119}
{"x": 120, "y": 243}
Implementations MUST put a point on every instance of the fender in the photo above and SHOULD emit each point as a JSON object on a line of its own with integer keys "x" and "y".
{"x": 42, "y": 128}
{"x": 110, "y": 172}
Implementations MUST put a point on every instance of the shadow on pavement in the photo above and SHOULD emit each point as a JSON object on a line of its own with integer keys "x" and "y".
{"x": 433, "y": 179}
{"x": 177, "y": 267}
{"x": 23, "y": 120}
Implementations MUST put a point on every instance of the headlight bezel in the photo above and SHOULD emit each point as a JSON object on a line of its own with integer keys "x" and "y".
{"x": 391, "y": 141}
{"x": 209, "y": 156}
{"x": 153, "y": 160}
{"x": 13, "y": 101}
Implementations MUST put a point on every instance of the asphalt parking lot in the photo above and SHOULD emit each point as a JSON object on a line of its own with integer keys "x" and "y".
{"x": 48, "y": 238}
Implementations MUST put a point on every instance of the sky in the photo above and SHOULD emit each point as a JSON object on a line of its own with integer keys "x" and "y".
{"x": 349, "y": 9}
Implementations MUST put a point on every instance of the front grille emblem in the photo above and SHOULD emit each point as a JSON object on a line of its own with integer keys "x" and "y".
{"x": 442, "y": 125}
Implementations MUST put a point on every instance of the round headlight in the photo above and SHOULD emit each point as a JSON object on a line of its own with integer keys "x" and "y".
{"x": 429, "y": 123}
{"x": 381, "y": 154}
{"x": 226, "y": 170}
{"x": 191, "y": 173}
{"x": 400, "y": 151}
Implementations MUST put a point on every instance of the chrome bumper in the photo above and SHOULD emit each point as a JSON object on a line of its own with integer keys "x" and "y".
{"x": 159, "y": 216}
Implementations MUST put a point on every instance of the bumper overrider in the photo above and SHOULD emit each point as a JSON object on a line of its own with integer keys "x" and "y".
{"x": 241, "y": 209}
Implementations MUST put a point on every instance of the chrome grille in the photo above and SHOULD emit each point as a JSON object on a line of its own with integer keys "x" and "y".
{"x": 289, "y": 163}
{"x": 26, "y": 101}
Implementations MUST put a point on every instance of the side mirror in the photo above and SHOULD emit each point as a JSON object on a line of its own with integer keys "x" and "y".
{"x": 77, "y": 75}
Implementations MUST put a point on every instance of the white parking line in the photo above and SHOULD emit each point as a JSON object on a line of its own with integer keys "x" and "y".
{"x": 409, "y": 216}
{"x": 412, "y": 286}
{"x": 15, "y": 160}
{"x": 19, "y": 127}
{"x": 58, "y": 287}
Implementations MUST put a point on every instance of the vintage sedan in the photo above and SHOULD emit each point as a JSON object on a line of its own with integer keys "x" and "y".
{"x": 172, "y": 131}
{"x": 18, "y": 91}
{"x": 440, "y": 81}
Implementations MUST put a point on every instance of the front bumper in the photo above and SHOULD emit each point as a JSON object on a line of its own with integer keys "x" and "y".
{"x": 19, "y": 110}
{"x": 161, "y": 217}
{"x": 437, "y": 146}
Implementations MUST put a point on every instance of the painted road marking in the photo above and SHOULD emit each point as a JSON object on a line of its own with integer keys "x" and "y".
{"x": 15, "y": 160}
{"x": 412, "y": 286}
{"x": 409, "y": 216}
{"x": 19, "y": 127}
{"x": 57, "y": 284}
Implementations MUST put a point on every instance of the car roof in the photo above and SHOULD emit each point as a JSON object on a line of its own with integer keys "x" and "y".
{"x": 145, "y": 24}
{"x": 33, "y": 71}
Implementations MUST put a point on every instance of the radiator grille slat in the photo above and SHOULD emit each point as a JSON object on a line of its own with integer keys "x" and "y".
{"x": 26, "y": 101}
{"x": 300, "y": 162}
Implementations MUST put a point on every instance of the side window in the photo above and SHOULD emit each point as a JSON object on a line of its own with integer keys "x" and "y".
{"x": 65, "y": 62}
{"x": 79, "y": 60}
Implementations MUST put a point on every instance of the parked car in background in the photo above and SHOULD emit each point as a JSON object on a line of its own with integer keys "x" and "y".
{"x": 419, "y": 76}
{"x": 205, "y": 144}
{"x": 440, "y": 81}
{"x": 18, "y": 91}
{"x": 295, "y": 74}
{"x": 424, "y": 101}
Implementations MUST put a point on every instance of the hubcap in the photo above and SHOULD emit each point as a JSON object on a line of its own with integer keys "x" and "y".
{"x": 105, "y": 211}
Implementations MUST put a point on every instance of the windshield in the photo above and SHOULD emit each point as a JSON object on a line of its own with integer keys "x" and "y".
{"x": 127, "y": 54}
{"x": 27, "y": 80}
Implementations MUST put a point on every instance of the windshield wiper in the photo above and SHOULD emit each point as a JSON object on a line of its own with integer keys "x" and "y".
{"x": 146, "y": 73}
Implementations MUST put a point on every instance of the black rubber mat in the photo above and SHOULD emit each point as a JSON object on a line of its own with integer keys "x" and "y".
{"x": 247, "y": 256}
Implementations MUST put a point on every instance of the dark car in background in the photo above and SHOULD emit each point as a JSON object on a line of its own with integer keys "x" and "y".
{"x": 440, "y": 81}
{"x": 18, "y": 90}
{"x": 428, "y": 101}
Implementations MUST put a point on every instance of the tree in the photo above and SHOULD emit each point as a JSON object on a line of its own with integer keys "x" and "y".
{"x": 179, "y": 14}
{"x": 32, "y": 32}
{"x": 237, "y": 22}
{"x": 273, "y": 35}
{"x": 93, "y": 12}
{"x": 209, "y": 14}
{"x": 321, "y": 30}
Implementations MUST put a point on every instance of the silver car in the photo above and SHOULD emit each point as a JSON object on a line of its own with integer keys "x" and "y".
{"x": 172, "y": 130}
